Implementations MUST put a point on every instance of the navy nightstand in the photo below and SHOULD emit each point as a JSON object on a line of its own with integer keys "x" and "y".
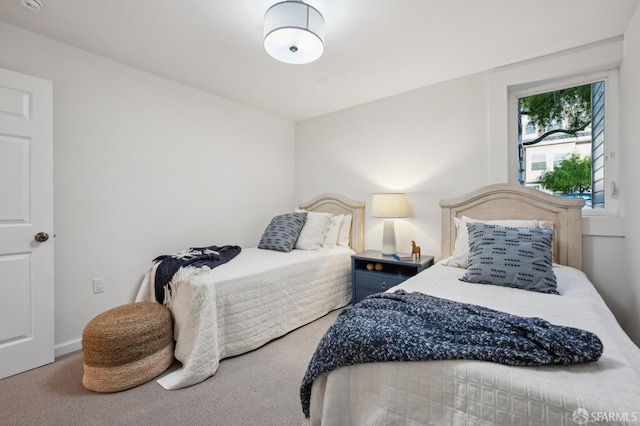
{"x": 366, "y": 281}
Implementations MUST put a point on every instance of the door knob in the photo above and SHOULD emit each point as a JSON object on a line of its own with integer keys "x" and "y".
{"x": 41, "y": 237}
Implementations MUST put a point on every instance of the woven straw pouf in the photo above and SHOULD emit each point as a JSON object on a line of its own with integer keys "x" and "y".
{"x": 127, "y": 346}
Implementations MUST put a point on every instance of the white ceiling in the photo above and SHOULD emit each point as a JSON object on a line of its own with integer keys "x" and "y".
{"x": 373, "y": 48}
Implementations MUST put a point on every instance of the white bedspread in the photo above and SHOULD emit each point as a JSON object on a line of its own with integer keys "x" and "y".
{"x": 241, "y": 305}
{"x": 468, "y": 392}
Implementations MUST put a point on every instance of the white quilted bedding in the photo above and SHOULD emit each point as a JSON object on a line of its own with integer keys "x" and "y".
{"x": 241, "y": 305}
{"x": 466, "y": 392}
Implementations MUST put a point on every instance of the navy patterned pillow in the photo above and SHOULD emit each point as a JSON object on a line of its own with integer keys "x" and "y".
{"x": 283, "y": 232}
{"x": 511, "y": 257}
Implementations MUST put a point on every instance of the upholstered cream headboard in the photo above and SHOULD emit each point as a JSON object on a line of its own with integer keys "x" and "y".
{"x": 339, "y": 204}
{"x": 509, "y": 201}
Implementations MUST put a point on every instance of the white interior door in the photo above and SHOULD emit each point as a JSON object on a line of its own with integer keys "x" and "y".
{"x": 26, "y": 216}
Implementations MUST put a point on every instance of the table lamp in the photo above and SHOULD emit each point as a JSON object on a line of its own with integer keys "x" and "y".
{"x": 389, "y": 206}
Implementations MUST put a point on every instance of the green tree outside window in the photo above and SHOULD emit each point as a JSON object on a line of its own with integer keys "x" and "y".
{"x": 572, "y": 175}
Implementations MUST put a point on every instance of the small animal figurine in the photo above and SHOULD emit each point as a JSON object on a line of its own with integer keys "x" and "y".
{"x": 415, "y": 250}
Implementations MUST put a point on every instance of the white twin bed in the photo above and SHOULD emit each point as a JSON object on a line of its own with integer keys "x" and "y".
{"x": 470, "y": 392}
{"x": 256, "y": 297}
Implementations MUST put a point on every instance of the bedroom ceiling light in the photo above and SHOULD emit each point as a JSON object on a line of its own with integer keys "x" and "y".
{"x": 389, "y": 206}
{"x": 32, "y": 5}
{"x": 293, "y": 32}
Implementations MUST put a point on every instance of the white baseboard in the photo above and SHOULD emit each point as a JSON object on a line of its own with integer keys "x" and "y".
{"x": 68, "y": 347}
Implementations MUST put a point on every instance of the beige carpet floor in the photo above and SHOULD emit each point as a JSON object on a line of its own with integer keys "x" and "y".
{"x": 261, "y": 387}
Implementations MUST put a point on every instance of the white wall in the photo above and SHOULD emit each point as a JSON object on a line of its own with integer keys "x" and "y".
{"x": 430, "y": 143}
{"x": 630, "y": 134}
{"x": 441, "y": 142}
{"x": 144, "y": 166}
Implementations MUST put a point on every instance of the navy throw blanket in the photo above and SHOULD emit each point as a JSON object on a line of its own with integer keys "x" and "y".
{"x": 405, "y": 326}
{"x": 196, "y": 257}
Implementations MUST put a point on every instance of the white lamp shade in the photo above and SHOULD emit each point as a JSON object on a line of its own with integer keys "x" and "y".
{"x": 293, "y": 32}
{"x": 389, "y": 205}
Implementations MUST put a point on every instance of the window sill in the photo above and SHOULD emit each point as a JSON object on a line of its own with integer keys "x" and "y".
{"x": 603, "y": 226}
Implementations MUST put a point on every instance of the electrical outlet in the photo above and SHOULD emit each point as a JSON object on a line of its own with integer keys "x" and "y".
{"x": 98, "y": 285}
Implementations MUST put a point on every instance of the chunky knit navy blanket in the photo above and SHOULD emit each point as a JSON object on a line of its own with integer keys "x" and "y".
{"x": 196, "y": 257}
{"x": 404, "y": 326}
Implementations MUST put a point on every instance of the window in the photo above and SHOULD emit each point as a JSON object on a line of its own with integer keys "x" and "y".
{"x": 584, "y": 65}
{"x": 530, "y": 129}
{"x": 539, "y": 162}
{"x": 572, "y": 117}
{"x": 557, "y": 158}
{"x": 554, "y": 125}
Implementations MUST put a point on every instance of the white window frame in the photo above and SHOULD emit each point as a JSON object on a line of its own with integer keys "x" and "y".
{"x": 601, "y": 57}
{"x": 612, "y": 100}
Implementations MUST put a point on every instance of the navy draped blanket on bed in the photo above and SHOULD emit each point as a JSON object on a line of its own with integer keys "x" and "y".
{"x": 196, "y": 257}
{"x": 405, "y": 326}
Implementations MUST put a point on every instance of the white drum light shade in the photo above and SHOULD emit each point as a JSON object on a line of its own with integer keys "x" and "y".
{"x": 293, "y": 32}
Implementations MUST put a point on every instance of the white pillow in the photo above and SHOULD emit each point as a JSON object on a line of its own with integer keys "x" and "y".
{"x": 461, "y": 250}
{"x": 345, "y": 231}
{"x": 313, "y": 231}
{"x": 333, "y": 230}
